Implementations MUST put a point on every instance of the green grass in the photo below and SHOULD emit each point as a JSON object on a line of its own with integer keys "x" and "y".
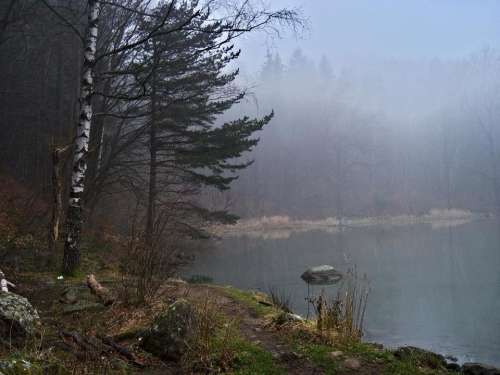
{"x": 383, "y": 359}
{"x": 200, "y": 279}
{"x": 414, "y": 362}
{"x": 410, "y": 367}
{"x": 367, "y": 351}
{"x": 403, "y": 368}
{"x": 251, "y": 300}
{"x": 251, "y": 359}
{"x": 319, "y": 355}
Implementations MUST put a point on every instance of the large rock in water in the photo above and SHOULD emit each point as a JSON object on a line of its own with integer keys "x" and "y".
{"x": 470, "y": 368}
{"x": 321, "y": 275}
{"x": 168, "y": 336}
{"x": 18, "y": 318}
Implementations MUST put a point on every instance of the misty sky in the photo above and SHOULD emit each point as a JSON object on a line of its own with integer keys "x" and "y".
{"x": 363, "y": 30}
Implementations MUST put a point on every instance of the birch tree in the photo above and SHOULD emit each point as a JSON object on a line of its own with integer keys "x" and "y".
{"x": 74, "y": 219}
{"x": 239, "y": 18}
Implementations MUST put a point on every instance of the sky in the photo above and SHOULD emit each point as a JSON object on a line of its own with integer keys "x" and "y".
{"x": 365, "y": 30}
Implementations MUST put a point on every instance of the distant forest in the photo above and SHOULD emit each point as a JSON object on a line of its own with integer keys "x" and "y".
{"x": 375, "y": 138}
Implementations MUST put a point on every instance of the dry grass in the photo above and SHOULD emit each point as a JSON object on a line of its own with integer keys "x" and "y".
{"x": 340, "y": 319}
{"x": 281, "y": 227}
{"x": 210, "y": 348}
{"x": 281, "y": 299}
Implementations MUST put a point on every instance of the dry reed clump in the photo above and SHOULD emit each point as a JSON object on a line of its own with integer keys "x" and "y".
{"x": 281, "y": 227}
{"x": 281, "y": 299}
{"x": 210, "y": 346}
{"x": 340, "y": 319}
{"x": 452, "y": 213}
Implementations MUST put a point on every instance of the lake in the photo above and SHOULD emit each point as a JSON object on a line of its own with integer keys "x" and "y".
{"x": 435, "y": 288}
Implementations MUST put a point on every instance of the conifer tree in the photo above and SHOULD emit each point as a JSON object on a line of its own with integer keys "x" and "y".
{"x": 189, "y": 86}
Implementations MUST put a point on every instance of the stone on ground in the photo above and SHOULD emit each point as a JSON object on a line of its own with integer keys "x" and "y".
{"x": 168, "y": 336}
{"x": 18, "y": 318}
{"x": 352, "y": 363}
{"x": 336, "y": 354}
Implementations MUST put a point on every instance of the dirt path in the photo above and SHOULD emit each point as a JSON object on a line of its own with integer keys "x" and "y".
{"x": 252, "y": 327}
{"x": 255, "y": 330}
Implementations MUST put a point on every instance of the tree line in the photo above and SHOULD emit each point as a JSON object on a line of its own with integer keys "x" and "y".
{"x": 384, "y": 137}
{"x": 111, "y": 109}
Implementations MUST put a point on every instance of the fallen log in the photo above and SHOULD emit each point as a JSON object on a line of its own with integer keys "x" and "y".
{"x": 78, "y": 340}
{"x": 103, "y": 293}
{"x": 122, "y": 351}
{"x": 83, "y": 346}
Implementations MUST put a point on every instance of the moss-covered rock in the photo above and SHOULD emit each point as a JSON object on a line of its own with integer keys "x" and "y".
{"x": 471, "y": 368}
{"x": 168, "y": 336}
{"x": 17, "y": 366}
{"x": 18, "y": 318}
{"x": 20, "y": 364}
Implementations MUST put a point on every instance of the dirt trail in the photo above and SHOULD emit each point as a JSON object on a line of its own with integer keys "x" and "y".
{"x": 252, "y": 327}
{"x": 255, "y": 330}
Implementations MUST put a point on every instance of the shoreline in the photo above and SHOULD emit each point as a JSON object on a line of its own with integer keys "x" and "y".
{"x": 453, "y": 362}
{"x": 281, "y": 227}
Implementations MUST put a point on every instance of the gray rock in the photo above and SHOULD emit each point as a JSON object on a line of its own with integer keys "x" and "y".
{"x": 69, "y": 296}
{"x": 286, "y": 318}
{"x": 471, "y": 368}
{"x": 352, "y": 363}
{"x": 294, "y": 317}
{"x": 18, "y": 318}
{"x": 82, "y": 306}
{"x": 168, "y": 336}
{"x": 336, "y": 354}
{"x": 321, "y": 275}
{"x": 77, "y": 299}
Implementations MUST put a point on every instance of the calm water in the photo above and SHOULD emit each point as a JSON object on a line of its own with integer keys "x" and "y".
{"x": 434, "y": 288}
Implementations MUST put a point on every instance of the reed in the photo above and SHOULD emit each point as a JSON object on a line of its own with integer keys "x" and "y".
{"x": 340, "y": 319}
{"x": 281, "y": 299}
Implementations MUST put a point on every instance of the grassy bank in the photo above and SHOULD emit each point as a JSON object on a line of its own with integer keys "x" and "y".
{"x": 342, "y": 356}
{"x": 247, "y": 334}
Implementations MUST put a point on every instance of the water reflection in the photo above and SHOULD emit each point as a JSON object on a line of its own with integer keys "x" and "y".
{"x": 434, "y": 288}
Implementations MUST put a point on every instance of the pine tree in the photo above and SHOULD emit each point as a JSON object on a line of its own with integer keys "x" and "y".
{"x": 189, "y": 86}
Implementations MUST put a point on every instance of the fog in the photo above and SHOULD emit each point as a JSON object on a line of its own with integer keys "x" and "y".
{"x": 363, "y": 31}
{"x": 380, "y": 108}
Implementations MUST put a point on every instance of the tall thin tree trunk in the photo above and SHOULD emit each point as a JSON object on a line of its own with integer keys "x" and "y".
{"x": 74, "y": 221}
{"x": 152, "y": 160}
{"x": 5, "y": 21}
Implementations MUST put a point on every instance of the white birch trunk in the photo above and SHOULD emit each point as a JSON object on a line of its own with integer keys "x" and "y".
{"x": 71, "y": 259}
